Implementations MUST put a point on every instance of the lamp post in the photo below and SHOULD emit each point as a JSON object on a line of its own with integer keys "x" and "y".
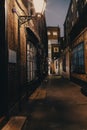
{"x": 39, "y": 6}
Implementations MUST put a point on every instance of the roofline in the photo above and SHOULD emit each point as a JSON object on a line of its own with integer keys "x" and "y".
{"x": 68, "y": 11}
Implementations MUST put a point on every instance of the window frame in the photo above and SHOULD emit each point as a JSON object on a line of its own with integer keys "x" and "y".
{"x": 31, "y": 62}
{"x": 78, "y": 65}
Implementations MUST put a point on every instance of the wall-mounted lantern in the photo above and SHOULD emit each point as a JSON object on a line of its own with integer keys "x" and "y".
{"x": 39, "y": 6}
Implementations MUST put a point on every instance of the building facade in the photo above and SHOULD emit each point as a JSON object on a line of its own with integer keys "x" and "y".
{"x": 75, "y": 27}
{"x": 53, "y": 49}
{"x": 23, "y": 49}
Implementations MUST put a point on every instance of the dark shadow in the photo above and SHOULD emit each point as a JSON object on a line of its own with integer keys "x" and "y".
{"x": 84, "y": 90}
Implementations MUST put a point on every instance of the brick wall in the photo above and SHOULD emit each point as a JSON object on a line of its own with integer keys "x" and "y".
{"x": 17, "y": 40}
{"x": 17, "y": 53}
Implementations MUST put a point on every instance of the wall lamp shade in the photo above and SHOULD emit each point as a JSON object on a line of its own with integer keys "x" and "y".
{"x": 39, "y": 6}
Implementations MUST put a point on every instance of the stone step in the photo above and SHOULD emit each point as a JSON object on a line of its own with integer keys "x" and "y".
{"x": 15, "y": 123}
{"x": 38, "y": 94}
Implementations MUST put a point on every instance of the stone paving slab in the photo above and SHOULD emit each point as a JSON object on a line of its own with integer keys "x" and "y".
{"x": 15, "y": 123}
{"x": 40, "y": 93}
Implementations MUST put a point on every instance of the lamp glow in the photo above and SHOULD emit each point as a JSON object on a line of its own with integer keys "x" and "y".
{"x": 39, "y": 6}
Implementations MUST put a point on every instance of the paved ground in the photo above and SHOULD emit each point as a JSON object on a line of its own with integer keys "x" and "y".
{"x": 57, "y": 105}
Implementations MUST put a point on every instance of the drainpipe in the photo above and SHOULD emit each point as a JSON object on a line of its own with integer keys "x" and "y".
{"x": 19, "y": 67}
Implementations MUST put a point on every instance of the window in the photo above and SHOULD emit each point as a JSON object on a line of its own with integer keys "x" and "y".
{"x": 49, "y": 33}
{"x": 77, "y": 65}
{"x": 54, "y": 33}
{"x": 31, "y": 62}
{"x": 54, "y": 41}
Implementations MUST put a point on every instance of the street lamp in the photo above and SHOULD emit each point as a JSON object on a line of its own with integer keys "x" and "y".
{"x": 39, "y": 6}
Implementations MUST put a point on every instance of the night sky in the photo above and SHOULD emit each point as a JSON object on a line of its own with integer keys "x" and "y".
{"x": 56, "y": 11}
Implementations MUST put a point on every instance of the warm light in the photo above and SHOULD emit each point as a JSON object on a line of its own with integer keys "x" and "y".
{"x": 39, "y": 5}
{"x": 55, "y": 33}
{"x": 48, "y": 33}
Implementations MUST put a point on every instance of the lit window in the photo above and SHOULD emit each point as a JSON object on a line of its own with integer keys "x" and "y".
{"x": 77, "y": 63}
{"x": 49, "y": 33}
{"x": 55, "y": 33}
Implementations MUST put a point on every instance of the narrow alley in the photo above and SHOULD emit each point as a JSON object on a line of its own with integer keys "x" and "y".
{"x": 63, "y": 108}
{"x": 43, "y": 65}
{"x": 57, "y": 104}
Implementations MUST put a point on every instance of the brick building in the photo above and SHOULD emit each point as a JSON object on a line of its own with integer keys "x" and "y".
{"x": 23, "y": 51}
{"x": 53, "y": 49}
{"x": 75, "y": 27}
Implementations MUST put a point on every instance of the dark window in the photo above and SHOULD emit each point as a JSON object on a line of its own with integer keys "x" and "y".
{"x": 31, "y": 62}
{"x": 77, "y": 65}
